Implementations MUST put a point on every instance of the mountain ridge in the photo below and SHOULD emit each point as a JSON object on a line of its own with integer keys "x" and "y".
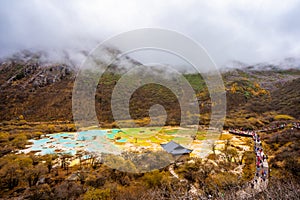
{"x": 40, "y": 91}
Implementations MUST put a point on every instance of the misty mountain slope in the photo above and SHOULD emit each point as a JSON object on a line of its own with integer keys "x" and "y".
{"x": 42, "y": 92}
{"x": 267, "y": 77}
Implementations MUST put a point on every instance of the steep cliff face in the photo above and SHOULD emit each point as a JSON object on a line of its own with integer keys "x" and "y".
{"x": 32, "y": 75}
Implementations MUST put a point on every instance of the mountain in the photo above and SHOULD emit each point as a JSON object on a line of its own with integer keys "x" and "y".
{"x": 42, "y": 91}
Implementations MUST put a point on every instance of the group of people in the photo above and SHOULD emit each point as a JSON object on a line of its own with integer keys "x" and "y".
{"x": 274, "y": 127}
{"x": 296, "y": 125}
{"x": 261, "y": 158}
{"x": 278, "y": 126}
{"x": 248, "y": 133}
{"x": 262, "y": 168}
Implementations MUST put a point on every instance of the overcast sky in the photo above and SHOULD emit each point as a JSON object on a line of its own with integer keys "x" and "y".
{"x": 248, "y": 31}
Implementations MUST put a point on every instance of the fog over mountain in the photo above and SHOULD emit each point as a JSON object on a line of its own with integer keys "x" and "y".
{"x": 250, "y": 32}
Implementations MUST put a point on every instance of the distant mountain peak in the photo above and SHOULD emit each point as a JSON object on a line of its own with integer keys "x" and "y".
{"x": 275, "y": 65}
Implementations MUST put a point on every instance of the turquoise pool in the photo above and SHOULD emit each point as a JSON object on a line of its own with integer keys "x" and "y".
{"x": 71, "y": 143}
{"x": 122, "y": 140}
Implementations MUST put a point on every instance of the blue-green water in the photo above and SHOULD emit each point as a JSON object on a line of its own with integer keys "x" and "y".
{"x": 122, "y": 140}
{"x": 111, "y": 136}
{"x": 71, "y": 143}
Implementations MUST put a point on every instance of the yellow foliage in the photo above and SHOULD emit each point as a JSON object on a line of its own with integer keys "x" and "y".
{"x": 97, "y": 194}
{"x": 283, "y": 117}
{"x": 225, "y": 136}
{"x": 3, "y": 136}
{"x": 20, "y": 141}
{"x": 256, "y": 85}
{"x": 153, "y": 179}
{"x": 255, "y": 121}
{"x": 222, "y": 180}
{"x": 234, "y": 88}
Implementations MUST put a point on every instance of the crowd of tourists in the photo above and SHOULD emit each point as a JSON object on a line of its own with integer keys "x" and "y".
{"x": 278, "y": 126}
{"x": 261, "y": 158}
{"x": 247, "y": 133}
{"x": 296, "y": 125}
{"x": 262, "y": 168}
{"x": 274, "y": 127}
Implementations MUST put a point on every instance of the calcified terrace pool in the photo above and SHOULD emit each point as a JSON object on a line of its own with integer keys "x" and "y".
{"x": 112, "y": 141}
{"x": 71, "y": 143}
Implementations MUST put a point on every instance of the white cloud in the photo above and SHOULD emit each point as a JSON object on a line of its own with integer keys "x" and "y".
{"x": 250, "y": 31}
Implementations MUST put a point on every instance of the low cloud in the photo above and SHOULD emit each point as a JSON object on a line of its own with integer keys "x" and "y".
{"x": 247, "y": 31}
